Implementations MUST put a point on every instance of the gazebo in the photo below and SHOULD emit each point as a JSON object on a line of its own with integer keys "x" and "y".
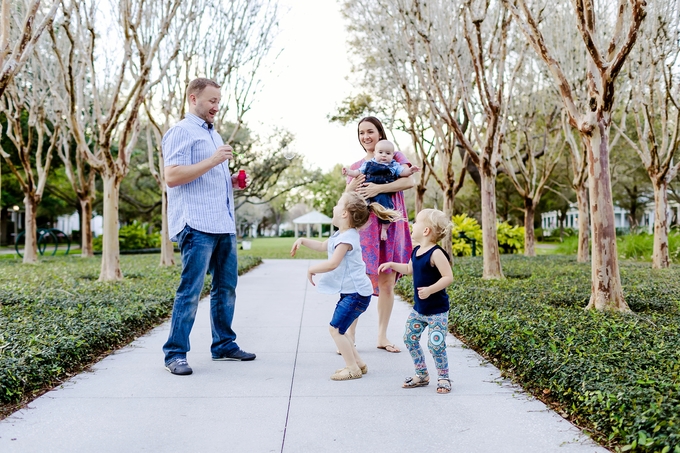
{"x": 312, "y": 218}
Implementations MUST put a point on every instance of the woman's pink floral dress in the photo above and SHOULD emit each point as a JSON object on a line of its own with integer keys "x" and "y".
{"x": 397, "y": 247}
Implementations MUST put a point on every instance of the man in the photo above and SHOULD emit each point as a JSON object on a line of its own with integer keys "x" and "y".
{"x": 201, "y": 221}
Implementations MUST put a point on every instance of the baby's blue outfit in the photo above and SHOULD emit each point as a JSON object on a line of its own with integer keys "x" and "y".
{"x": 394, "y": 167}
{"x": 381, "y": 173}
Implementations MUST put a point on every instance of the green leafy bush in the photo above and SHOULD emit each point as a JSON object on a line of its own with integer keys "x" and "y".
{"x": 56, "y": 318}
{"x": 510, "y": 238}
{"x": 638, "y": 246}
{"x": 617, "y": 374}
{"x": 132, "y": 237}
{"x": 470, "y": 228}
{"x": 635, "y": 246}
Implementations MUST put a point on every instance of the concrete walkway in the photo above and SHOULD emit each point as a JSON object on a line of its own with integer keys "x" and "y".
{"x": 284, "y": 401}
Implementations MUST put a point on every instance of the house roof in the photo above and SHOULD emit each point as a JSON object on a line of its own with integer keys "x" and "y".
{"x": 313, "y": 217}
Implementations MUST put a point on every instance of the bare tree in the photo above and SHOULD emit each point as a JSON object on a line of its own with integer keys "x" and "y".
{"x": 229, "y": 44}
{"x": 68, "y": 75}
{"x": 559, "y": 29}
{"x": 604, "y": 65}
{"x": 534, "y": 155}
{"x": 33, "y": 131}
{"x": 655, "y": 106}
{"x": 19, "y": 36}
{"x": 473, "y": 70}
{"x": 579, "y": 169}
{"x": 389, "y": 70}
{"x": 118, "y": 81}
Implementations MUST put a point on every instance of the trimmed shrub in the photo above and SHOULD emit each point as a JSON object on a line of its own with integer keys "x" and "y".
{"x": 510, "y": 238}
{"x": 56, "y": 318}
{"x": 616, "y": 374}
{"x": 470, "y": 228}
{"x": 132, "y": 237}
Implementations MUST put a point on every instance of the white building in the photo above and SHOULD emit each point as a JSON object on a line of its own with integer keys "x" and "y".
{"x": 69, "y": 223}
{"x": 550, "y": 220}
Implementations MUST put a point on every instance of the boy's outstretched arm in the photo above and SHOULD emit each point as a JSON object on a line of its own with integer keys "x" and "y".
{"x": 405, "y": 269}
{"x": 444, "y": 268}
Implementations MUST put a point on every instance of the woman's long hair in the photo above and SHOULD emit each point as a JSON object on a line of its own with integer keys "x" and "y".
{"x": 378, "y": 125}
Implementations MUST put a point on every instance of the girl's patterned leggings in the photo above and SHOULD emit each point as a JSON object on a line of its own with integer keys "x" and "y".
{"x": 436, "y": 342}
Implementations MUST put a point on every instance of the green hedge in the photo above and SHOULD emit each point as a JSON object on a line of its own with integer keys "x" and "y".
{"x": 616, "y": 374}
{"x": 134, "y": 236}
{"x": 56, "y": 318}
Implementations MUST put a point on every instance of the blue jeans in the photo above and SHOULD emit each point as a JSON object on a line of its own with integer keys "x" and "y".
{"x": 348, "y": 308}
{"x": 202, "y": 253}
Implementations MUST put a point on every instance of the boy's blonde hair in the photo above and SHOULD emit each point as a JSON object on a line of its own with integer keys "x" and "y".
{"x": 359, "y": 211}
{"x": 438, "y": 223}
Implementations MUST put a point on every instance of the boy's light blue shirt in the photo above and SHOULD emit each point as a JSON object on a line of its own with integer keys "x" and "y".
{"x": 207, "y": 203}
{"x": 350, "y": 276}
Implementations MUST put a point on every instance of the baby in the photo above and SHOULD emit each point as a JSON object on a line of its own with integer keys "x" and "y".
{"x": 382, "y": 169}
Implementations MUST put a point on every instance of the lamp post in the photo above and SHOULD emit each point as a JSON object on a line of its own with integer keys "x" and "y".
{"x": 15, "y": 220}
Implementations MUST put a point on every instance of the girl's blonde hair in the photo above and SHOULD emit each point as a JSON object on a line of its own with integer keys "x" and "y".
{"x": 438, "y": 223}
{"x": 359, "y": 211}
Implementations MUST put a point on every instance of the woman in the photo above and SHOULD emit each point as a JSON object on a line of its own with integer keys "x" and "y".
{"x": 397, "y": 247}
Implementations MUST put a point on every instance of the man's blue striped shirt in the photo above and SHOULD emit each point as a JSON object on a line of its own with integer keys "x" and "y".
{"x": 205, "y": 204}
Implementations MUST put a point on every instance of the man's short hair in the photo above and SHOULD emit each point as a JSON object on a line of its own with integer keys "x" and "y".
{"x": 196, "y": 86}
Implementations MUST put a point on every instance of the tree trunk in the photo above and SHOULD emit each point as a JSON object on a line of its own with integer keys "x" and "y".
{"x": 529, "y": 234}
{"x": 86, "y": 250}
{"x": 583, "y": 224}
{"x": 110, "y": 270}
{"x": 30, "y": 233}
{"x": 660, "y": 258}
{"x": 167, "y": 248}
{"x": 420, "y": 195}
{"x": 449, "y": 199}
{"x": 606, "y": 291}
{"x": 492, "y": 258}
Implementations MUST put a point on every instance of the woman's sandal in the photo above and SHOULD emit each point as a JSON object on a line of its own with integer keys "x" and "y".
{"x": 364, "y": 369}
{"x": 411, "y": 382}
{"x": 443, "y": 386}
{"x": 390, "y": 348}
{"x": 345, "y": 375}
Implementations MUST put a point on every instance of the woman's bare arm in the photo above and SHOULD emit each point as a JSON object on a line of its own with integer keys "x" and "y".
{"x": 368, "y": 190}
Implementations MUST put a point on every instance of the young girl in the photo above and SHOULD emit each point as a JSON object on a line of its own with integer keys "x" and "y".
{"x": 345, "y": 273}
{"x": 431, "y": 271}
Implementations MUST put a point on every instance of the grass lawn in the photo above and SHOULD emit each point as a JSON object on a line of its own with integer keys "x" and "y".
{"x": 546, "y": 248}
{"x": 279, "y": 248}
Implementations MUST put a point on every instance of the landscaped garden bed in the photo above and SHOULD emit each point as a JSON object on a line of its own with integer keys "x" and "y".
{"x": 616, "y": 375}
{"x": 56, "y": 318}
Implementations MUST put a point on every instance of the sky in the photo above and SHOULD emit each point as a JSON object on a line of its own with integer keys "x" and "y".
{"x": 307, "y": 83}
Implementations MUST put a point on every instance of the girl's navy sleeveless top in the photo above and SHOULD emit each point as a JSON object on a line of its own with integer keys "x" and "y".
{"x": 425, "y": 274}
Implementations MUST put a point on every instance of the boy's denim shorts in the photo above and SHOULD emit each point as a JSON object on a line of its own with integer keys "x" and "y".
{"x": 349, "y": 307}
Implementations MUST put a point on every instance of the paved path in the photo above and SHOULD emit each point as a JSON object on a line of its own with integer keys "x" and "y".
{"x": 284, "y": 401}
